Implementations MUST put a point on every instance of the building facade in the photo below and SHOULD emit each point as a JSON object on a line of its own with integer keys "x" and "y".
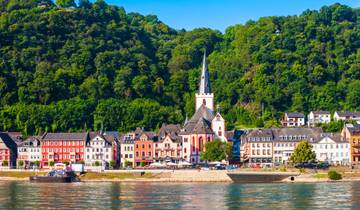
{"x": 168, "y": 146}
{"x": 316, "y": 117}
{"x": 63, "y": 147}
{"x": 331, "y": 147}
{"x": 143, "y": 148}
{"x": 29, "y": 151}
{"x": 8, "y": 150}
{"x": 351, "y": 133}
{"x": 259, "y": 148}
{"x": 127, "y": 150}
{"x": 293, "y": 119}
{"x": 101, "y": 148}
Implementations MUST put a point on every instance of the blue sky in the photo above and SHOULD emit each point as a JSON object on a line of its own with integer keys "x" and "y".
{"x": 219, "y": 14}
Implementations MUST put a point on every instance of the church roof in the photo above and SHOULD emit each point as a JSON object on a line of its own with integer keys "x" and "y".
{"x": 204, "y": 86}
{"x": 200, "y": 122}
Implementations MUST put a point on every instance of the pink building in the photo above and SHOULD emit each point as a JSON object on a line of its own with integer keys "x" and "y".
{"x": 169, "y": 145}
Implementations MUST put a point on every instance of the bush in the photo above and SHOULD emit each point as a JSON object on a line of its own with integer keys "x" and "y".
{"x": 5, "y": 163}
{"x": 128, "y": 164}
{"x": 66, "y": 162}
{"x": 21, "y": 163}
{"x": 37, "y": 163}
{"x": 112, "y": 164}
{"x": 51, "y": 163}
{"x": 142, "y": 164}
{"x": 333, "y": 175}
{"x": 97, "y": 163}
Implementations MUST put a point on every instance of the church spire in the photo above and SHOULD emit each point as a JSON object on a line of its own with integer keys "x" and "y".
{"x": 204, "y": 87}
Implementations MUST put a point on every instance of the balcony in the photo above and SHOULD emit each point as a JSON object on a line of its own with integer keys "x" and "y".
{"x": 356, "y": 153}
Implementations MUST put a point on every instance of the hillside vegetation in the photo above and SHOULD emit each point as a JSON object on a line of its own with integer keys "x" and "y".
{"x": 96, "y": 66}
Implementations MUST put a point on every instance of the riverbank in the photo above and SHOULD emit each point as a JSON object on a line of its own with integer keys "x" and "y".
{"x": 178, "y": 176}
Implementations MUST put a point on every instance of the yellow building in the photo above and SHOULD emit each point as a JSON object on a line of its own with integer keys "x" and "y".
{"x": 351, "y": 132}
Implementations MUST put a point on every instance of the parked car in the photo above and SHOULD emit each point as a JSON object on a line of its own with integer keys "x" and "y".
{"x": 323, "y": 165}
{"x": 306, "y": 165}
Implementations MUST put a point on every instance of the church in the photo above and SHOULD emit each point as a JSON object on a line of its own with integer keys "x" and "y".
{"x": 205, "y": 125}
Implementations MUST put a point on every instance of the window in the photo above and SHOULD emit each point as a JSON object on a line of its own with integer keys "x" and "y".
{"x": 137, "y": 154}
{"x": 149, "y": 153}
{"x": 130, "y": 156}
{"x": 143, "y": 146}
{"x": 185, "y": 140}
{"x": 204, "y": 101}
{"x": 143, "y": 154}
{"x": 184, "y": 150}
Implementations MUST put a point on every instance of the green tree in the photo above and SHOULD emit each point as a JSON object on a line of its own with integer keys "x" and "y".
{"x": 36, "y": 163}
{"x": 51, "y": 163}
{"x": 217, "y": 151}
{"x": 142, "y": 164}
{"x": 97, "y": 163}
{"x": 303, "y": 152}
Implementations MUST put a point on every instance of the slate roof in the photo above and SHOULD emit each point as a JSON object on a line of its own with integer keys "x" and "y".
{"x": 312, "y": 134}
{"x": 170, "y": 130}
{"x": 200, "y": 122}
{"x": 353, "y": 128}
{"x": 204, "y": 86}
{"x": 348, "y": 114}
{"x": 107, "y": 137}
{"x": 320, "y": 112}
{"x": 336, "y": 137}
{"x": 294, "y": 115}
{"x": 65, "y": 136}
{"x": 29, "y": 141}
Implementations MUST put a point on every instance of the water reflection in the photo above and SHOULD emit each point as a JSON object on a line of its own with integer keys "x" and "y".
{"x": 25, "y": 195}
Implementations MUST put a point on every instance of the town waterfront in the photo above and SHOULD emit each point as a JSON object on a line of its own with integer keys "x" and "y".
{"x": 327, "y": 195}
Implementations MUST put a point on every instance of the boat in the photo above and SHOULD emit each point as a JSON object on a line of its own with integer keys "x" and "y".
{"x": 261, "y": 177}
{"x": 55, "y": 176}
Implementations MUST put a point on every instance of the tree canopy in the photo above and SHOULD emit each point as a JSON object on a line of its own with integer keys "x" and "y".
{"x": 94, "y": 64}
{"x": 302, "y": 153}
{"x": 217, "y": 150}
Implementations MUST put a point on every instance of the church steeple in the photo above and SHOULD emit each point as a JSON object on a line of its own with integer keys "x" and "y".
{"x": 204, "y": 87}
{"x": 204, "y": 95}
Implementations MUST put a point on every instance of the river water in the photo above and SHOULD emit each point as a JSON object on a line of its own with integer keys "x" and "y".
{"x": 26, "y": 195}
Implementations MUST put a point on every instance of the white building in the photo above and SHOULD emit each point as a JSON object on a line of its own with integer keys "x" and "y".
{"x": 293, "y": 119}
{"x": 101, "y": 149}
{"x": 346, "y": 115}
{"x": 316, "y": 117}
{"x": 286, "y": 140}
{"x": 332, "y": 148}
{"x": 127, "y": 149}
{"x": 29, "y": 151}
{"x": 259, "y": 147}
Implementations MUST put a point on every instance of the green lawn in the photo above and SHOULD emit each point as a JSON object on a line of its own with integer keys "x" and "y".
{"x": 19, "y": 174}
{"x": 320, "y": 176}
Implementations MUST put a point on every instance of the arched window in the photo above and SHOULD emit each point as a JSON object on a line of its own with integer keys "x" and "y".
{"x": 208, "y": 138}
{"x": 219, "y": 132}
{"x": 201, "y": 144}
{"x": 204, "y": 101}
{"x": 193, "y": 144}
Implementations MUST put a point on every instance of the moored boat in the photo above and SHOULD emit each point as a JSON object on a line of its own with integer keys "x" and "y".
{"x": 260, "y": 177}
{"x": 55, "y": 176}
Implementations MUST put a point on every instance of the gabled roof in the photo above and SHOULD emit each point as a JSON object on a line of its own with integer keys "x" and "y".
{"x": 29, "y": 141}
{"x": 260, "y": 133}
{"x": 171, "y": 130}
{"x": 336, "y": 137}
{"x": 203, "y": 113}
{"x": 8, "y": 141}
{"x": 65, "y": 136}
{"x": 294, "y": 115}
{"x": 107, "y": 137}
{"x": 354, "y": 129}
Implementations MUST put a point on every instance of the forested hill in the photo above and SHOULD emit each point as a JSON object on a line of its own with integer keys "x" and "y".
{"x": 71, "y": 69}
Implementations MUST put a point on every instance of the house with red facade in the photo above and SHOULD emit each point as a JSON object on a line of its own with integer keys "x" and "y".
{"x": 63, "y": 147}
{"x": 143, "y": 148}
{"x": 8, "y": 150}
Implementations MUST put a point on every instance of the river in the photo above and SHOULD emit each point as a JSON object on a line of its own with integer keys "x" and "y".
{"x": 26, "y": 195}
